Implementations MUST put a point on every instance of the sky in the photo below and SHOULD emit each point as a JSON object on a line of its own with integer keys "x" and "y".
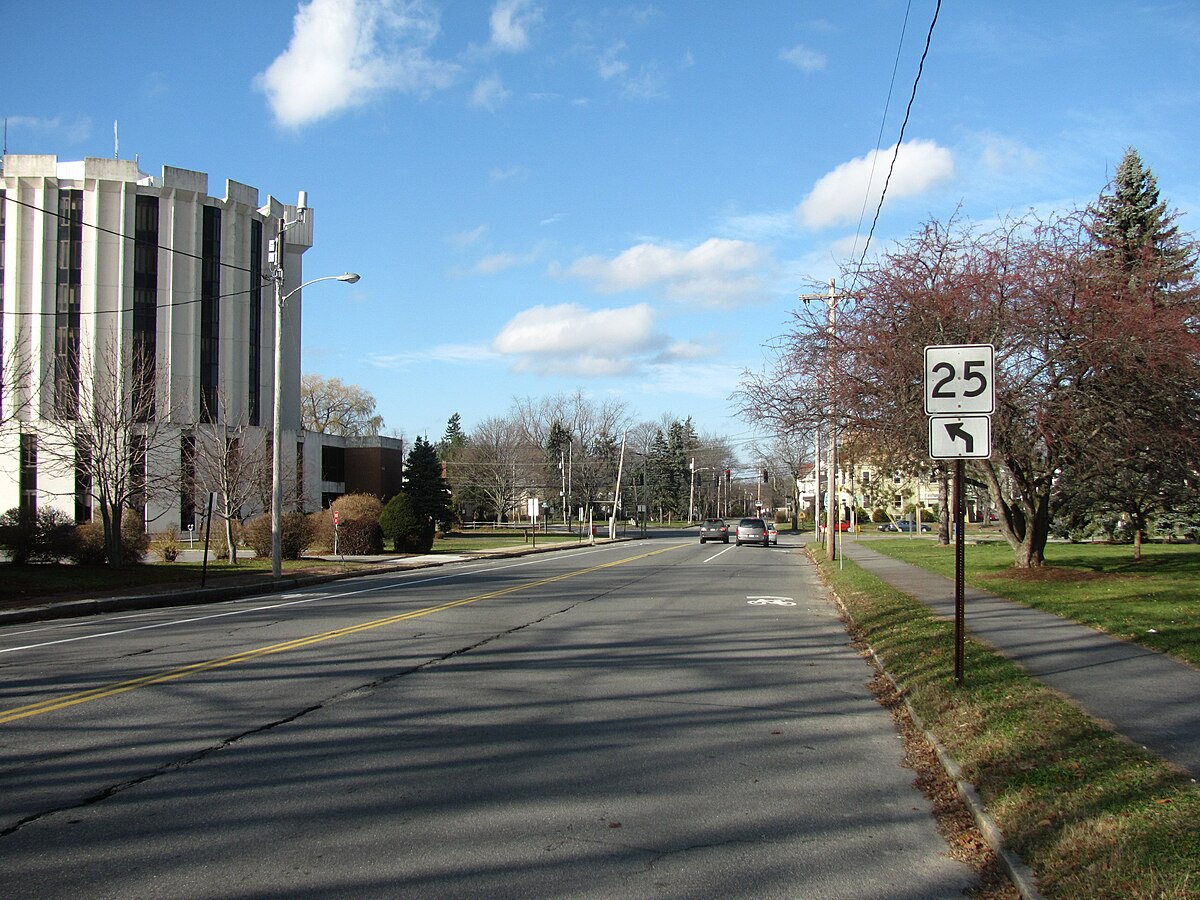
{"x": 622, "y": 199}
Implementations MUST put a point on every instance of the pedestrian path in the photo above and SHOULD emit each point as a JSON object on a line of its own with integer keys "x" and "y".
{"x": 1150, "y": 698}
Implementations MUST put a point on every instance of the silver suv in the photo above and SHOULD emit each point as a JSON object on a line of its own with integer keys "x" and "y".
{"x": 752, "y": 531}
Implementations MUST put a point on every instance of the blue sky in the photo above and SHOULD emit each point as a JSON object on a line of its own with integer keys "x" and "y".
{"x": 624, "y": 199}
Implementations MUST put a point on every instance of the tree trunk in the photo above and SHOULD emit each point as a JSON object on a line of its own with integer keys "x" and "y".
{"x": 943, "y": 507}
{"x": 111, "y": 518}
{"x": 230, "y": 545}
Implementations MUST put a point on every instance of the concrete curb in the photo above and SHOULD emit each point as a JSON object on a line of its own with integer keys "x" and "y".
{"x": 72, "y": 609}
{"x": 1022, "y": 876}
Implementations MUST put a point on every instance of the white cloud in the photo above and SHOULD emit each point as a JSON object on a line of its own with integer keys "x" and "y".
{"x": 568, "y": 339}
{"x": 344, "y": 52}
{"x": 511, "y": 21}
{"x": 718, "y": 272}
{"x": 511, "y": 172}
{"x": 489, "y": 93}
{"x": 610, "y": 65}
{"x": 837, "y": 197}
{"x": 498, "y": 262}
{"x": 449, "y": 354}
{"x": 464, "y": 239}
{"x": 803, "y": 58}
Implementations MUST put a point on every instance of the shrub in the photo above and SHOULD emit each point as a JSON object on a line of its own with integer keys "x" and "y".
{"x": 408, "y": 531}
{"x": 44, "y": 536}
{"x": 363, "y": 507}
{"x": 168, "y": 545}
{"x": 359, "y": 537}
{"x": 295, "y": 535}
{"x": 88, "y": 545}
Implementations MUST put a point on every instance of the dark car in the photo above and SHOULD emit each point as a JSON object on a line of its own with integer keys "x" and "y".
{"x": 714, "y": 530}
{"x": 752, "y": 531}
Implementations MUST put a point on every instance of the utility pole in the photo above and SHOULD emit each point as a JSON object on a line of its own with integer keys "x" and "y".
{"x": 831, "y": 300}
{"x": 692, "y": 490}
{"x": 612, "y": 523}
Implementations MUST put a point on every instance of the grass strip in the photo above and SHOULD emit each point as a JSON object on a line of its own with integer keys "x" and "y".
{"x": 1154, "y": 602}
{"x": 1092, "y": 814}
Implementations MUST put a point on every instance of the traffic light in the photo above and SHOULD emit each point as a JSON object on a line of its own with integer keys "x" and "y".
{"x": 727, "y": 475}
{"x": 765, "y": 476}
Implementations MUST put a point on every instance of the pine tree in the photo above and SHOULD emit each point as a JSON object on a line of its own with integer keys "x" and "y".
{"x": 424, "y": 484}
{"x": 454, "y": 439}
{"x": 1135, "y": 233}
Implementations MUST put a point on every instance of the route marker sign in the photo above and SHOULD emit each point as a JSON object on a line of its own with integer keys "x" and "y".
{"x": 958, "y": 380}
{"x": 960, "y": 397}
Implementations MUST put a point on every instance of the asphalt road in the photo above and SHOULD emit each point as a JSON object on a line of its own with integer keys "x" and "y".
{"x": 655, "y": 718}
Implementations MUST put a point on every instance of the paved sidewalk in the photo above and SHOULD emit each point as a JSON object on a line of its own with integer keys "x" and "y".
{"x": 1146, "y": 696}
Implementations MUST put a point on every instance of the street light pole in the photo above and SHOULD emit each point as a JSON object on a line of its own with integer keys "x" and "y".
{"x": 281, "y": 298}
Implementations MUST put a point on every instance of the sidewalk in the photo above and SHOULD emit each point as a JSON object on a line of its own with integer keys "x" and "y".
{"x": 1146, "y": 696}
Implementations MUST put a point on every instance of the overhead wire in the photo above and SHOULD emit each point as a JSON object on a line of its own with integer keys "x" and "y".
{"x": 157, "y": 246}
{"x": 899, "y": 142}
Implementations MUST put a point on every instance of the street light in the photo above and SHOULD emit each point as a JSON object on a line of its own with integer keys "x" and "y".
{"x": 276, "y": 424}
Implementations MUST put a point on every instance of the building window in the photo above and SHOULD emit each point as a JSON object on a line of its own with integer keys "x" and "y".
{"x": 300, "y": 476}
{"x": 210, "y": 313}
{"x": 28, "y": 473}
{"x": 145, "y": 305}
{"x": 254, "y": 367}
{"x": 333, "y": 464}
{"x": 187, "y": 481}
{"x": 83, "y": 485}
{"x": 137, "y": 475}
{"x": 66, "y": 310}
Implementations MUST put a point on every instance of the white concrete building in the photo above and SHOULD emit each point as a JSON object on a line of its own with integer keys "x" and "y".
{"x": 102, "y": 265}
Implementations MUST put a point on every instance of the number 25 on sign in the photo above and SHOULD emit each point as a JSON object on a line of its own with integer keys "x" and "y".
{"x": 958, "y": 380}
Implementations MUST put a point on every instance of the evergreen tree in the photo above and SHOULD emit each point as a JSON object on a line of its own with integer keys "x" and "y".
{"x": 454, "y": 439}
{"x": 424, "y": 484}
{"x": 1135, "y": 233}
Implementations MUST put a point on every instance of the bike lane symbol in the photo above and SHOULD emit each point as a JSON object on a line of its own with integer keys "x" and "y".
{"x": 770, "y": 601}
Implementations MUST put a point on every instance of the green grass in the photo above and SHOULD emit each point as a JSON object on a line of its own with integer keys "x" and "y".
{"x": 32, "y": 584}
{"x": 1092, "y": 814}
{"x": 494, "y": 539}
{"x": 1154, "y": 602}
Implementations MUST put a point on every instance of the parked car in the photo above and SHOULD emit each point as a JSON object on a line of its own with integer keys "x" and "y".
{"x": 773, "y": 533}
{"x": 752, "y": 531}
{"x": 714, "y": 530}
{"x": 902, "y": 525}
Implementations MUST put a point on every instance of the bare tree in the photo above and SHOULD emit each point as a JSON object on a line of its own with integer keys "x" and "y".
{"x": 488, "y": 464}
{"x": 114, "y": 445}
{"x": 233, "y": 461}
{"x": 329, "y": 406}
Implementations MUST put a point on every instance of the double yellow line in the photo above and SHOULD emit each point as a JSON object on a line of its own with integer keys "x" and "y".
{"x": 99, "y": 693}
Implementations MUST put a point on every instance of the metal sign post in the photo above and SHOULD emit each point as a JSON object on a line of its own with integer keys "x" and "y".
{"x": 960, "y": 397}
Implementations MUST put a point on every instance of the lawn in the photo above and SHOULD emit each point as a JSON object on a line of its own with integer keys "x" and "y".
{"x": 1092, "y": 814}
{"x": 1154, "y": 602}
{"x": 34, "y": 584}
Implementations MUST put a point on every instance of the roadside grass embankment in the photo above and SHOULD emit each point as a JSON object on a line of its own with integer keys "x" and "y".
{"x": 1091, "y": 813}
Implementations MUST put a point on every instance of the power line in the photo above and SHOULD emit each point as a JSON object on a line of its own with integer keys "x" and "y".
{"x": 903, "y": 125}
{"x": 122, "y": 236}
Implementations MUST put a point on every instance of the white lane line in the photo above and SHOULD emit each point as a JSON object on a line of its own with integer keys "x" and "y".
{"x": 273, "y": 606}
{"x": 715, "y": 555}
